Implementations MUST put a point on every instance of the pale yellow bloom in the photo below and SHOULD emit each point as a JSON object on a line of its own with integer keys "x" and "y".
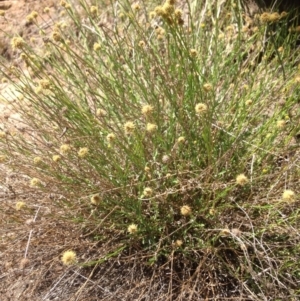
{"x": 185, "y": 210}
{"x": 95, "y": 199}
{"x": 65, "y": 4}
{"x": 136, "y": 7}
{"x": 147, "y": 109}
{"x": 83, "y": 152}
{"x": 193, "y": 52}
{"x": 17, "y": 43}
{"x": 65, "y": 148}
{"x": 165, "y": 159}
{"x": 101, "y": 113}
{"x": 132, "y": 229}
{"x": 111, "y": 137}
{"x": 207, "y": 87}
{"x": 94, "y": 10}
{"x": 148, "y": 192}
{"x": 200, "y": 108}
{"x": 178, "y": 243}
{"x": 69, "y": 258}
{"x": 56, "y": 158}
{"x": 241, "y": 180}
{"x": 45, "y": 84}
{"x": 20, "y": 205}
{"x": 248, "y": 102}
{"x": 96, "y": 47}
{"x": 281, "y": 124}
{"x": 35, "y": 182}
{"x": 37, "y": 160}
{"x": 32, "y": 16}
{"x": 288, "y": 195}
{"x": 129, "y": 127}
{"x": 225, "y": 232}
{"x": 181, "y": 139}
{"x": 151, "y": 127}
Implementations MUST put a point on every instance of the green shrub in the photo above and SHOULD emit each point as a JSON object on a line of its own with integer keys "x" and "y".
{"x": 167, "y": 128}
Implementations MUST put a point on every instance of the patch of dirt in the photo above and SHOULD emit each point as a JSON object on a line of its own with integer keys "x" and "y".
{"x": 41, "y": 239}
{"x": 14, "y": 22}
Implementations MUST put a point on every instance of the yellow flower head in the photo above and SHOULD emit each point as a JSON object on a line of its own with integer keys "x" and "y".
{"x": 288, "y": 195}
{"x": 178, "y": 14}
{"x": 225, "y": 232}
{"x": 32, "y": 16}
{"x": 95, "y": 199}
{"x": 207, "y": 87}
{"x": 193, "y": 52}
{"x": 142, "y": 44}
{"x": 151, "y": 127}
{"x": 2, "y": 158}
{"x": 212, "y": 211}
{"x": 64, "y": 4}
{"x": 34, "y": 182}
{"x": 281, "y": 124}
{"x": 94, "y": 11}
{"x": 168, "y": 9}
{"x": 147, "y": 110}
{"x": 96, "y": 47}
{"x": 37, "y": 160}
{"x": 269, "y": 18}
{"x": 129, "y": 127}
{"x": 147, "y": 192}
{"x": 45, "y": 84}
{"x": 132, "y": 229}
{"x": 159, "y": 11}
{"x": 111, "y": 137}
{"x": 178, "y": 243}
{"x": 20, "y": 205}
{"x": 152, "y": 15}
{"x": 101, "y": 113}
{"x": 248, "y": 102}
{"x": 2, "y": 134}
{"x": 136, "y": 7}
{"x": 83, "y": 151}
{"x": 160, "y": 31}
{"x": 56, "y": 36}
{"x": 185, "y": 210}
{"x": 274, "y": 17}
{"x": 264, "y": 17}
{"x": 200, "y": 108}
{"x": 241, "y": 180}
{"x": 165, "y": 158}
{"x": 56, "y": 158}
{"x": 65, "y": 148}
{"x": 69, "y": 258}
{"x": 280, "y": 49}
{"x": 17, "y": 43}
{"x": 181, "y": 139}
